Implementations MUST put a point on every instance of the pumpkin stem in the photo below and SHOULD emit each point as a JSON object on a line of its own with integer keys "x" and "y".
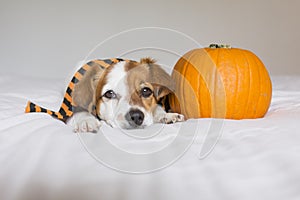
{"x": 217, "y": 46}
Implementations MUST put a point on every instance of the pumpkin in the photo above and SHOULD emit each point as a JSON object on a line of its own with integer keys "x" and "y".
{"x": 220, "y": 82}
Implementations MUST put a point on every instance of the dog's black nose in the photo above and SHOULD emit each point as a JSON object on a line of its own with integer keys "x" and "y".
{"x": 135, "y": 116}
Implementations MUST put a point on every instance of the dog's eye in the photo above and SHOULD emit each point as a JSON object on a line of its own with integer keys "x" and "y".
{"x": 146, "y": 92}
{"x": 110, "y": 94}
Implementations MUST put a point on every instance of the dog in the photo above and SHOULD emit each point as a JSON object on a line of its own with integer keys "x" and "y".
{"x": 126, "y": 94}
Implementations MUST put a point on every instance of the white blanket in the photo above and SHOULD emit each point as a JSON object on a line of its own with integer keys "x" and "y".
{"x": 41, "y": 158}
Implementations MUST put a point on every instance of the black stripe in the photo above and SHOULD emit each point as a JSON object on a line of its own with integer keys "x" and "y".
{"x": 69, "y": 91}
{"x": 54, "y": 115}
{"x": 68, "y": 104}
{"x": 62, "y": 112}
{"x": 74, "y": 80}
{"x": 108, "y": 61}
{"x": 32, "y": 108}
{"x": 91, "y": 63}
{"x": 82, "y": 71}
{"x": 119, "y": 59}
{"x": 43, "y": 110}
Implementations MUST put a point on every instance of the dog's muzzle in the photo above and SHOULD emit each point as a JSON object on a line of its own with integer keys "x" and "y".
{"x": 135, "y": 117}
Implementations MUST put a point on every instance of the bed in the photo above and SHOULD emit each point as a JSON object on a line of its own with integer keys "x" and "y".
{"x": 41, "y": 157}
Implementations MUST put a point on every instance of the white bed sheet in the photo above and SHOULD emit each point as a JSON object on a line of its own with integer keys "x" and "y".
{"x": 41, "y": 158}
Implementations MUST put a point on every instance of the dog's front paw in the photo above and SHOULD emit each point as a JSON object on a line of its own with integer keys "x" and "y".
{"x": 87, "y": 125}
{"x": 85, "y": 122}
{"x": 170, "y": 118}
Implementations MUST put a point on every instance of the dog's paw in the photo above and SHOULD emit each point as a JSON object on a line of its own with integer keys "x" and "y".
{"x": 85, "y": 122}
{"x": 87, "y": 125}
{"x": 170, "y": 118}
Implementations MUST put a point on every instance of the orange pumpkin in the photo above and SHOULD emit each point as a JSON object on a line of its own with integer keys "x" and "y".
{"x": 221, "y": 82}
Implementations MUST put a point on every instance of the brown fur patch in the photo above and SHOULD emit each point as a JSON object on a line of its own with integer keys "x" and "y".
{"x": 130, "y": 65}
{"x": 83, "y": 93}
{"x": 147, "y": 60}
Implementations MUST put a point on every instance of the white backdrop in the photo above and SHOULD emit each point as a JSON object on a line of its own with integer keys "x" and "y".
{"x": 48, "y": 38}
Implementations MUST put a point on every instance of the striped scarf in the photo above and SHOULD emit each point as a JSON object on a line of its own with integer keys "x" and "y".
{"x": 68, "y": 106}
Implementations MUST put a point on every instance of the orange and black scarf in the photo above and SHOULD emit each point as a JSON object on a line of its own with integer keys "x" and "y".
{"x": 67, "y": 107}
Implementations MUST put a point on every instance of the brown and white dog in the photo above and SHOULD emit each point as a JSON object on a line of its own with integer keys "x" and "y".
{"x": 125, "y": 95}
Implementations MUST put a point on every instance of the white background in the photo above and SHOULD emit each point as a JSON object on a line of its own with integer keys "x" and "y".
{"x": 48, "y": 38}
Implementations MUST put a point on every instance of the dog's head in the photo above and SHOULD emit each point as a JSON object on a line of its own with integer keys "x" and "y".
{"x": 128, "y": 93}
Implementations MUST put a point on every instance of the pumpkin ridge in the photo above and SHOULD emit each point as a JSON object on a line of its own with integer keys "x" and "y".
{"x": 215, "y": 78}
{"x": 260, "y": 86}
{"x": 237, "y": 87}
{"x": 197, "y": 91}
{"x": 263, "y": 87}
{"x": 185, "y": 82}
{"x": 209, "y": 85}
{"x": 206, "y": 106}
{"x": 259, "y": 70}
{"x": 249, "y": 84}
{"x": 253, "y": 104}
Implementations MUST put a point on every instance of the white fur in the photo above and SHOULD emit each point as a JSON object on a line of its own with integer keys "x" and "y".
{"x": 161, "y": 116}
{"x": 84, "y": 122}
{"x": 110, "y": 109}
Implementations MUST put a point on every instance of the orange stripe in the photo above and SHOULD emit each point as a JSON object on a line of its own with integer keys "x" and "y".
{"x": 71, "y": 85}
{"x": 37, "y": 109}
{"x": 78, "y": 76}
{"x": 66, "y": 109}
{"x": 68, "y": 97}
{"x": 114, "y": 60}
{"x": 27, "y": 109}
{"x": 49, "y": 112}
{"x": 86, "y": 67}
{"x": 59, "y": 116}
{"x": 69, "y": 113}
{"x": 102, "y": 63}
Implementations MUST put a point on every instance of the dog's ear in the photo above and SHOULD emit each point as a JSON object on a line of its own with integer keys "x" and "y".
{"x": 159, "y": 78}
{"x": 161, "y": 91}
